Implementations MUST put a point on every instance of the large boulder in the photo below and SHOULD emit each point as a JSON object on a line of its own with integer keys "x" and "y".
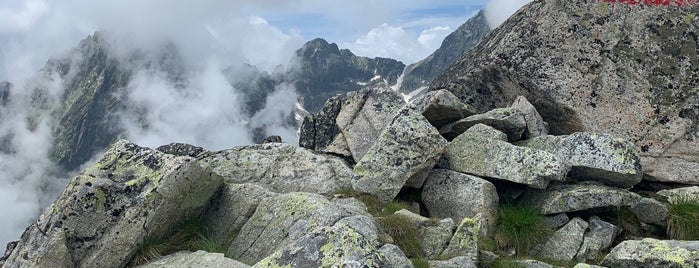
{"x": 594, "y": 157}
{"x": 318, "y": 131}
{"x": 441, "y": 107}
{"x": 283, "y": 219}
{"x": 281, "y": 168}
{"x": 465, "y": 240}
{"x": 483, "y": 156}
{"x": 186, "y": 259}
{"x": 684, "y": 193}
{"x": 565, "y": 242}
{"x": 110, "y": 209}
{"x": 599, "y": 236}
{"x": 594, "y": 66}
{"x": 508, "y": 120}
{"x": 450, "y": 194}
{"x": 653, "y": 253}
{"x": 432, "y": 235}
{"x": 407, "y": 148}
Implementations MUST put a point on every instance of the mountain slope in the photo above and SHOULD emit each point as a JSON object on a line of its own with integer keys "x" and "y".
{"x": 628, "y": 70}
{"x": 465, "y": 37}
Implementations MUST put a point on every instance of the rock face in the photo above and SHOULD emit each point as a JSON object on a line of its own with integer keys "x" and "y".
{"x": 594, "y": 157}
{"x": 325, "y": 71}
{"x": 108, "y": 210}
{"x": 449, "y": 194}
{"x": 466, "y": 36}
{"x": 626, "y": 70}
{"x": 653, "y": 253}
{"x": 408, "y": 147}
{"x": 482, "y": 156}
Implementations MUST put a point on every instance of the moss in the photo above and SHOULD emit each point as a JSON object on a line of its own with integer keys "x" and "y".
{"x": 101, "y": 198}
{"x": 420, "y": 263}
{"x": 520, "y": 227}
{"x": 683, "y": 219}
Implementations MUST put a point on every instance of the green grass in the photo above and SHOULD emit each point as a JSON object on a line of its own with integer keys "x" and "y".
{"x": 420, "y": 263}
{"x": 405, "y": 235}
{"x": 506, "y": 262}
{"x": 683, "y": 219}
{"x": 520, "y": 227}
{"x": 190, "y": 234}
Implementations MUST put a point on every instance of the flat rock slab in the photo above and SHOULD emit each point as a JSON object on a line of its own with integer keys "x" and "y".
{"x": 683, "y": 193}
{"x": 408, "y": 147}
{"x": 594, "y": 157}
{"x": 474, "y": 154}
{"x": 653, "y": 253}
{"x": 571, "y": 198}
{"x": 508, "y": 120}
{"x": 186, "y": 259}
{"x": 450, "y": 194}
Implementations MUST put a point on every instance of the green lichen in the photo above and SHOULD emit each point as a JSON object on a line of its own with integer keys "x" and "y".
{"x": 101, "y": 198}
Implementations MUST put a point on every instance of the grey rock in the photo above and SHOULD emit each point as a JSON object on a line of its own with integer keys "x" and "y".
{"x": 271, "y": 139}
{"x": 281, "y": 168}
{"x": 394, "y": 257}
{"x": 228, "y": 213}
{"x": 281, "y": 220}
{"x": 465, "y": 240}
{"x": 338, "y": 245}
{"x": 510, "y": 121}
{"x": 581, "y": 197}
{"x": 534, "y": 264}
{"x": 409, "y": 146}
{"x": 365, "y": 114}
{"x": 671, "y": 168}
{"x": 107, "y": 211}
{"x": 318, "y": 131}
{"x": 594, "y": 156}
{"x": 599, "y": 236}
{"x": 556, "y": 221}
{"x": 473, "y": 154}
{"x": 433, "y": 236}
{"x": 488, "y": 132}
{"x": 653, "y": 253}
{"x": 186, "y": 259}
{"x": 182, "y": 149}
{"x": 456, "y": 262}
{"x": 565, "y": 242}
{"x": 536, "y": 126}
{"x": 585, "y": 265}
{"x": 441, "y": 107}
{"x": 649, "y": 210}
{"x": 450, "y": 194}
{"x": 683, "y": 193}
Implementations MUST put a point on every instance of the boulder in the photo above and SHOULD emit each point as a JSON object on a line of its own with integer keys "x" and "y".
{"x": 465, "y": 240}
{"x": 318, "y": 131}
{"x": 433, "y": 236}
{"x": 683, "y": 193}
{"x": 594, "y": 157}
{"x": 456, "y": 262}
{"x": 649, "y": 210}
{"x": 110, "y": 209}
{"x": 510, "y": 121}
{"x": 556, "y": 221}
{"x": 186, "y": 259}
{"x": 394, "y": 257}
{"x": 281, "y": 220}
{"x": 536, "y": 126}
{"x": 450, "y": 194}
{"x": 534, "y": 264}
{"x": 281, "y": 168}
{"x": 599, "y": 236}
{"x": 565, "y": 242}
{"x": 474, "y": 154}
{"x": 441, "y": 107}
{"x": 182, "y": 149}
{"x": 651, "y": 252}
{"x": 585, "y": 265}
{"x": 580, "y": 197}
{"x": 408, "y": 147}
{"x": 271, "y": 139}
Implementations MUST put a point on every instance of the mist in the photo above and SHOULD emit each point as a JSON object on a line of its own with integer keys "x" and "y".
{"x": 498, "y": 11}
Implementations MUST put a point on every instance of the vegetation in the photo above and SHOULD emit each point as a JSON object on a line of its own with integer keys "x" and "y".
{"x": 505, "y": 262}
{"x": 521, "y": 227}
{"x": 190, "y": 234}
{"x": 420, "y": 263}
{"x": 683, "y": 220}
{"x": 405, "y": 235}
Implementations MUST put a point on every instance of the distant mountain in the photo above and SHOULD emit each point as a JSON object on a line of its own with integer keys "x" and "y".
{"x": 465, "y": 37}
{"x": 4, "y": 92}
{"x": 323, "y": 71}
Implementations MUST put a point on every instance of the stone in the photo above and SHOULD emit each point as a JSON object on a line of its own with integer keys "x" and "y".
{"x": 228, "y": 213}
{"x": 182, "y": 149}
{"x": 433, "y": 236}
{"x": 281, "y": 168}
{"x": 565, "y": 242}
{"x": 450, "y": 194}
{"x": 556, "y": 221}
{"x": 473, "y": 154}
{"x": 594, "y": 157}
{"x": 672, "y": 169}
{"x": 110, "y": 209}
{"x": 338, "y": 245}
{"x": 507, "y": 120}
{"x": 536, "y": 126}
{"x": 271, "y": 139}
{"x": 684, "y": 193}
{"x": 585, "y": 265}
{"x": 465, "y": 240}
{"x": 534, "y": 264}
{"x": 318, "y": 131}
{"x": 394, "y": 257}
{"x": 186, "y": 259}
{"x": 441, "y": 107}
{"x": 580, "y": 197}
{"x": 599, "y": 236}
{"x": 651, "y": 252}
{"x": 409, "y": 146}
{"x": 281, "y": 220}
{"x": 649, "y": 210}
{"x": 456, "y": 262}
{"x": 365, "y": 114}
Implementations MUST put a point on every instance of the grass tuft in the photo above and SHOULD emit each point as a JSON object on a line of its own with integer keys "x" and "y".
{"x": 405, "y": 235}
{"x": 420, "y": 263}
{"x": 683, "y": 219}
{"x": 506, "y": 262}
{"x": 520, "y": 227}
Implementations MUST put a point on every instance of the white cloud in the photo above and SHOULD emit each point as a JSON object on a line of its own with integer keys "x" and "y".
{"x": 13, "y": 20}
{"x": 498, "y": 11}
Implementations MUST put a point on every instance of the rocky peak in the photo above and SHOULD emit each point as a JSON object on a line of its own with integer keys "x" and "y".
{"x": 465, "y": 37}
{"x": 5, "y": 88}
{"x": 622, "y": 69}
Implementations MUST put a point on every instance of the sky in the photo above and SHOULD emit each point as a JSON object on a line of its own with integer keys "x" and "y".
{"x": 210, "y": 36}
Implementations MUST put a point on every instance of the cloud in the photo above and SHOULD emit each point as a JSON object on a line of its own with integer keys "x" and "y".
{"x": 497, "y": 11}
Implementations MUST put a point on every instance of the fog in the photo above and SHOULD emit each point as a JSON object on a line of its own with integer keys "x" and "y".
{"x": 497, "y": 11}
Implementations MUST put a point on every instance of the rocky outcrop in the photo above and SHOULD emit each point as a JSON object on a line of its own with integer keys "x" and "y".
{"x": 107, "y": 211}
{"x": 484, "y": 156}
{"x": 319, "y": 131}
{"x": 185, "y": 259}
{"x": 653, "y": 253}
{"x": 595, "y": 66}
{"x": 466, "y": 36}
